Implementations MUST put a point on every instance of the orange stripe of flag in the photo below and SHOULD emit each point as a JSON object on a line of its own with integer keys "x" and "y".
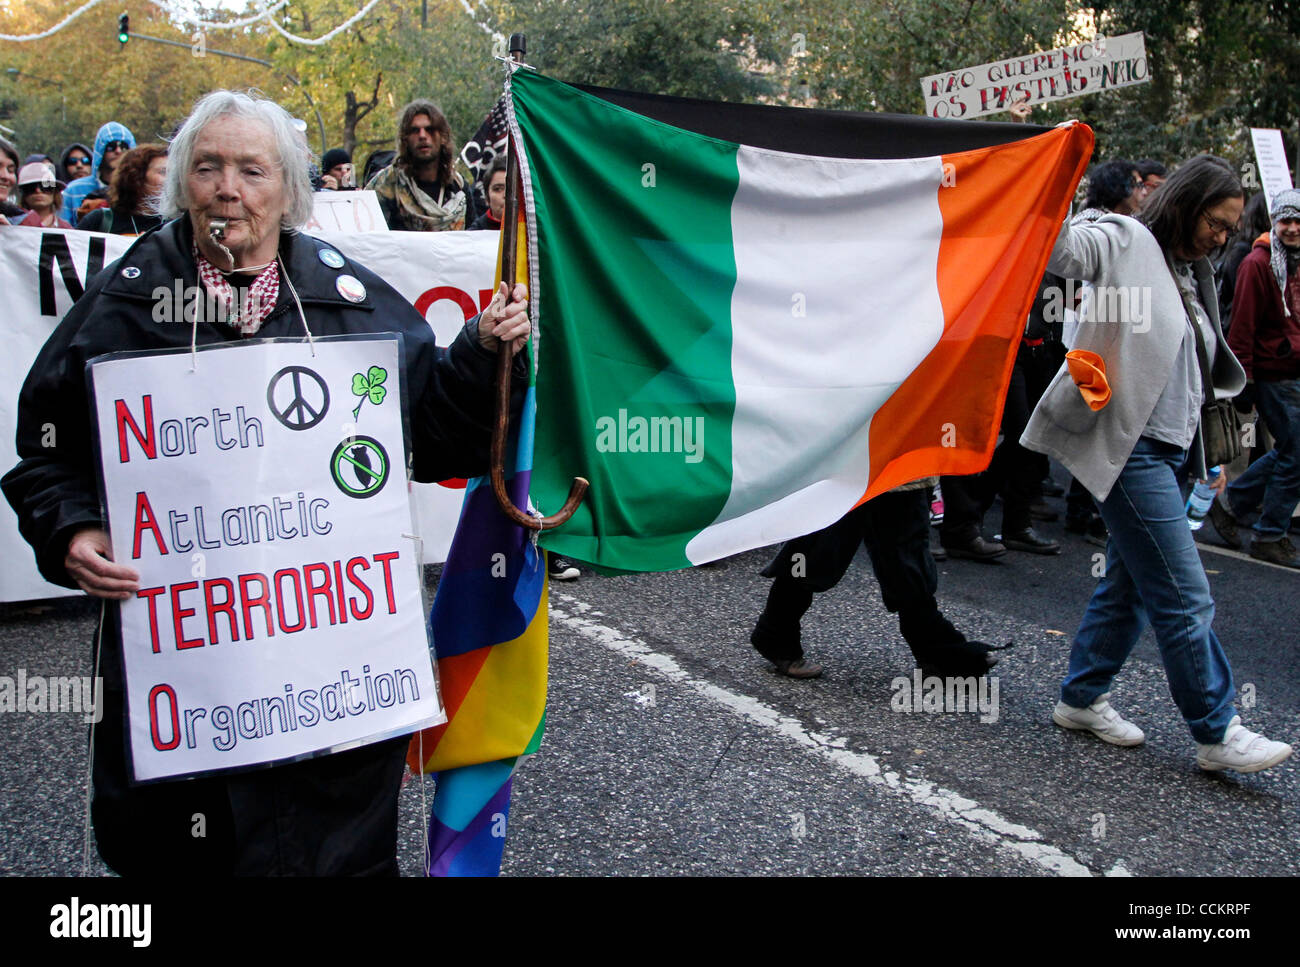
{"x": 1001, "y": 215}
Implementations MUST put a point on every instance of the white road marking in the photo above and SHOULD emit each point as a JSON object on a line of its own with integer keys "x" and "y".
{"x": 982, "y": 823}
{"x": 1242, "y": 556}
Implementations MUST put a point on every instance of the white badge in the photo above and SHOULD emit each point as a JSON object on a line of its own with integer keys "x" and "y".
{"x": 350, "y": 287}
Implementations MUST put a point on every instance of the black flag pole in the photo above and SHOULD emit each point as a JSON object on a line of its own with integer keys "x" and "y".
{"x": 509, "y": 275}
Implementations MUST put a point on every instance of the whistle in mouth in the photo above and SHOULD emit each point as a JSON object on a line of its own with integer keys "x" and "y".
{"x": 217, "y": 228}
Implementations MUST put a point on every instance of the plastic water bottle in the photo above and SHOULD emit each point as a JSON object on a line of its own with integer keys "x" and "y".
{"x": 1198, "y": 504}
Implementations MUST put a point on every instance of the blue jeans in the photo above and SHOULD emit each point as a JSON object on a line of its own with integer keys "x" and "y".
{"x": 1273, "y": 481}
{"x": 1153, "y": 572}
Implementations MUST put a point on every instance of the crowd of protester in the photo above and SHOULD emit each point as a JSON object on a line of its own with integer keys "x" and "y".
{"x": 1223, "y": 273}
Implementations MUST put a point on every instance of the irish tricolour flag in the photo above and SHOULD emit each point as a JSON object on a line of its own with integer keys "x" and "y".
{"x": 751, "y": 318}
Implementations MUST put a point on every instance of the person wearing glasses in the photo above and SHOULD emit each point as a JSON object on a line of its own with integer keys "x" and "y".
{"x": 75, "y": 162}
{"x": 1137, "y": 444}
{"x": 41, "y": 193}
{"x": 112, "y": 141}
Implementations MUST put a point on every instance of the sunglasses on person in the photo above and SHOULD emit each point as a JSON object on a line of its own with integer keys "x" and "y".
{"x": 116, "y": 146}
{"x": 78, "y": 162}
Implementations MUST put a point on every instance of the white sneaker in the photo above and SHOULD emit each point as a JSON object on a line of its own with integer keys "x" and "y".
{"x": 1241, "y": 751}
{"x": 1099, "y": 719}
{"x": 561, "y": 568}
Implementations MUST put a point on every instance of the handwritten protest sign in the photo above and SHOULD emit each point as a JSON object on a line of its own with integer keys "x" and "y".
{"x": 261, "y": 494}
{"x": 1274, "y": 175}
{"x": 1101, "y": 65}
{"x": 345, "y": 211}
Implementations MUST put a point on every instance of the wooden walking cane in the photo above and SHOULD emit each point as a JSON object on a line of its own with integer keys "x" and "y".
{"x": 501, "y": 428}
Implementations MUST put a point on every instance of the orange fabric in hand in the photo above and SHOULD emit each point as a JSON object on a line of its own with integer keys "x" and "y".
{"x": 1088, "y": 370}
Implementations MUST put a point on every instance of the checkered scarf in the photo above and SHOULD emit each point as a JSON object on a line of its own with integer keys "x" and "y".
{"x": 246, "y": 308}
{"x": 1285, "y": 205}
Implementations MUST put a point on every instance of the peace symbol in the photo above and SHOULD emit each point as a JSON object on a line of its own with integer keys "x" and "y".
{"x": 307, "y": 406}
{"x": 359, "y": 466}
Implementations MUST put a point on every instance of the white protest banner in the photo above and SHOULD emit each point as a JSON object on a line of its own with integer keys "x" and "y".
{"x": 1054, "y": 75}
{"x": 42, "y": 272}
{"x": 1274, "y": 175}
{"x": 280, "y": 610}
{"x": 345, "y": 211}
{"x": 446, "y": 275}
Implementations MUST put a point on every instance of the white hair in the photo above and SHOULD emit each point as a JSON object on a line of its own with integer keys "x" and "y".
{"x": 295, "y": 156}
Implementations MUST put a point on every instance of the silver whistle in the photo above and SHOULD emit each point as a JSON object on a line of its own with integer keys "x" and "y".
{"x": 216, "y": 232}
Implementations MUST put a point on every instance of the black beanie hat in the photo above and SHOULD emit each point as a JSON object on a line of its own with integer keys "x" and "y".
{"x": 334, "y": 156}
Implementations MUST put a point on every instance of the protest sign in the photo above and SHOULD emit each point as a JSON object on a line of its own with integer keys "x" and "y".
{"x": 345, "y": 211}
{"x": 446, "y": 275}
{"x": 259, "y": 488}
{"x": 1100, "y": 65}
{"x": 1273, "y": 174}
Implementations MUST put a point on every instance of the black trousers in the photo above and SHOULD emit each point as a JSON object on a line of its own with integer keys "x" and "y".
{"x": 895, "y": 528}
{"x": 333, "y": 815}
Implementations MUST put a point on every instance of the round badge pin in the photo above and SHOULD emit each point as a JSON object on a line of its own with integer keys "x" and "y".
{"x": 350, "y": 288}
{"x": 130, "y": 272}
{"x": 330, "y": 258}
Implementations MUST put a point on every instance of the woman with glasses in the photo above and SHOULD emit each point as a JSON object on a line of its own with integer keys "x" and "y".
{"x": 112, "y": 141}
{"x": 1135, "y": 443}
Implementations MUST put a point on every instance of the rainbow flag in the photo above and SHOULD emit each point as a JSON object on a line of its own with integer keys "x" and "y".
{"x": 489, "y": 630}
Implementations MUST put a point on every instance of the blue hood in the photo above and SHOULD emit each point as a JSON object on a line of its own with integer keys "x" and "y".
{"x": 112, "y": 131}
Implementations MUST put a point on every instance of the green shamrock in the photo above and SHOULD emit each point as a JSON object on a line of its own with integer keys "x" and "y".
{"x": 370, "y": 386}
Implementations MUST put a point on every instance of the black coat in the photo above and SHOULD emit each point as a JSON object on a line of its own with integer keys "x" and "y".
{"x": 329, "y": 815}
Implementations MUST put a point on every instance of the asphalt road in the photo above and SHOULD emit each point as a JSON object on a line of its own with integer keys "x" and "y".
{"x": 671, "y": 747}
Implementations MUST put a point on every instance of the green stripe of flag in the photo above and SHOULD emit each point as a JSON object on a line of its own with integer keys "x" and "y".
{"x": 634, "y": 228}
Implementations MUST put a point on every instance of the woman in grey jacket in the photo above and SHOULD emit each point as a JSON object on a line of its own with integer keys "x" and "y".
{"x": 1137, "y": 454}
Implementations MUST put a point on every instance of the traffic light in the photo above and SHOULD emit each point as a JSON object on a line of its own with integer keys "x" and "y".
{"x": 123, "y": 29}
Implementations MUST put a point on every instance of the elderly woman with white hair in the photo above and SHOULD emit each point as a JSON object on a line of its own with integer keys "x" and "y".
{"x": 236, "y": 187}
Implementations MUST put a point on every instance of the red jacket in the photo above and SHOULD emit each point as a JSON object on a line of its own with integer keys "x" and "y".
{"x": 33, "y": 220}
{"x": 1262, "y": 335}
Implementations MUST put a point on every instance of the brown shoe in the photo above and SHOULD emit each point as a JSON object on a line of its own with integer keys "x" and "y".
{"x": 1275, "y": 552}
{"x": 799, "y": 668}
{"x": 1224, "y": 523}
{"x": 1029, "y": 540}
{"x": 976, "y": 549}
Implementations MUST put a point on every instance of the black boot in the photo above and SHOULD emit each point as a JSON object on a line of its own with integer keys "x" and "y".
{"x": 776, "y": 635}
{"x": 939, "y": 648}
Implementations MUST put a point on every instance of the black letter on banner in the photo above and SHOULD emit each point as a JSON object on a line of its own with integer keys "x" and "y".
{"x": 54, "y": 248}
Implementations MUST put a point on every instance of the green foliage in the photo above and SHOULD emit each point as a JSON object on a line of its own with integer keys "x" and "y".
{"x": 1218, "y": 66}
{"x": 687, "y": 48}
{"x": 389, "y": 59}
{"x": 75, "y": 80}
